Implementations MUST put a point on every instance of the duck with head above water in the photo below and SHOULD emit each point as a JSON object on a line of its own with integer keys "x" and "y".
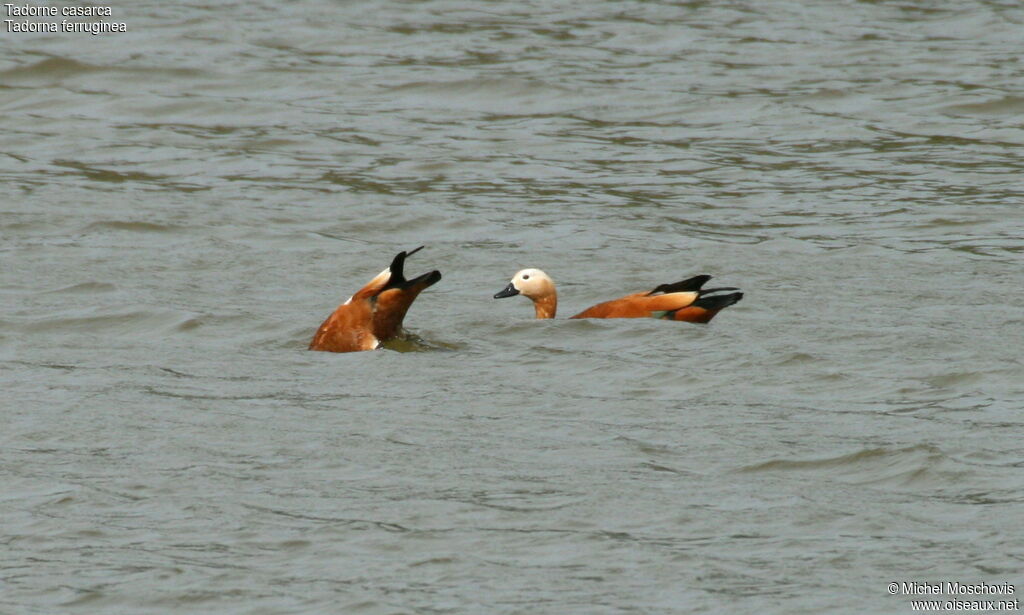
{"x": 684, "y": 300}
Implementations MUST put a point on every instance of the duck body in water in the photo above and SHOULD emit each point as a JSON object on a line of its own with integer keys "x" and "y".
{"x": 685, "y": 300}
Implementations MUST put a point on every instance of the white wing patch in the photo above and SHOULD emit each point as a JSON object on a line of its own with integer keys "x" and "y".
{"x": 382, "y": 277}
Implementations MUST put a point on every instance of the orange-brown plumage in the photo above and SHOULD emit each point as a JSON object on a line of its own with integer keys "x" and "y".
{"x": 639, "y": 305}
{"x": 374, "y": 314}
{"x": 684, "y": 300}
{"x": 695, "y": 313}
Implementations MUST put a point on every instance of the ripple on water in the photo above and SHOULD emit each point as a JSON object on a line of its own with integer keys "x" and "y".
{"x": 140, "y": 323}
{"x": 47, "y": 71}
{"x": 1010, "y": 106}
{"x": 134, "y": 226}
{"x": 495, "y": 95}
{"x": 85, "y": 288}
{"x": 916, "y": 467}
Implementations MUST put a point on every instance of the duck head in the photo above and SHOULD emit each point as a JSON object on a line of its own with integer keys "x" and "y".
{"x": 537, "y": 286}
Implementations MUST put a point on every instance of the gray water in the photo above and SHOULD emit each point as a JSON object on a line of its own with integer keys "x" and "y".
{"x": 184, "y": 203}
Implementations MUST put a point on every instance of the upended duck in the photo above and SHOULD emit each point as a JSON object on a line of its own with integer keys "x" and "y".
{"x": 685, "y": 300}
{"x": 374, "y": 314}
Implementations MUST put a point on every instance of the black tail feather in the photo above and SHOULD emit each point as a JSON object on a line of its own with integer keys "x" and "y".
{"x": 687, "y": 285}
{"x": 397, "y": 268}
{"x": 718, "y": 302}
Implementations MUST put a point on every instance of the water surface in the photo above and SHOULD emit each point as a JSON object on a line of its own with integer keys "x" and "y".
{"x": 184, "y": 203}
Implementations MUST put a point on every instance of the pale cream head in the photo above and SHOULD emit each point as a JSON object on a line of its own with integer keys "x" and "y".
{"x": 536, "y": 285}
{"x": 533, "y": 283}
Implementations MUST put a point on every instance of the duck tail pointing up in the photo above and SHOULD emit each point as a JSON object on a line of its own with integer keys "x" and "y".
{"x": 397, "y": 279}
{"x": 398, "y": 267}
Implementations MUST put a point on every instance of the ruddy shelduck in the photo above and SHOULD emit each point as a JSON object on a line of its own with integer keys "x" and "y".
{"x": 684, "y": 300}
{"x": 374, "y": 314}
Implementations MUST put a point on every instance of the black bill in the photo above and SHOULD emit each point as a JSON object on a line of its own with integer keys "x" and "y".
{"x": 508, "y": 291}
